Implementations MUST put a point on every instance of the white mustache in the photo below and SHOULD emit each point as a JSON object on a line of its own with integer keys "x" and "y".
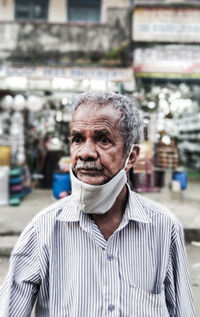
{"x": 88, "y": 166}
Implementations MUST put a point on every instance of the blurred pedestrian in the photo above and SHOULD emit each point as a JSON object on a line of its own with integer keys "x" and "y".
{"x": 104, "y": 250}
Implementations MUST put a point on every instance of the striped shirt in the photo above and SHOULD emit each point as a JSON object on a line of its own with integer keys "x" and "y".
{"x": 62, "y": 260}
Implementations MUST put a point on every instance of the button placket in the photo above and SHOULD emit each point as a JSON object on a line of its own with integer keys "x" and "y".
{"x": 112, "y": 278}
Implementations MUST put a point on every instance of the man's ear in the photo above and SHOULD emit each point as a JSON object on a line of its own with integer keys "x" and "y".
{"x": 133, "y": 157}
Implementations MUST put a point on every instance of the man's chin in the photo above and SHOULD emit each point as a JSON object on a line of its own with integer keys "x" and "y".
{"x": 91, "y": 179}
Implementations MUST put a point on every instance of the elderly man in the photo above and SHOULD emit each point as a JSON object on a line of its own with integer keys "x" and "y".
{"x": 104, "y": 250}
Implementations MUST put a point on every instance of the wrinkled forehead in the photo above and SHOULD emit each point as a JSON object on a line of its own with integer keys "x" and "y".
{"x": 96, "y": 116}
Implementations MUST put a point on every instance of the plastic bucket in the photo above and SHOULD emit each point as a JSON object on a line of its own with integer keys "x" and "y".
{"x": 61, "y": 182}
{"x": 181, "y": 177}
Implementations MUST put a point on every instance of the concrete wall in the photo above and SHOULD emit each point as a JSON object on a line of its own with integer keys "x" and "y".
{"x": 66, "y": 43}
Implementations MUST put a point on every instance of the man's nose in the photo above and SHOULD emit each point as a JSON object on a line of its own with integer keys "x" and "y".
{"x": 88, "y": 151}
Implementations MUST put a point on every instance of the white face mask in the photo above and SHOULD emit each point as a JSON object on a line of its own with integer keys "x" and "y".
{"x": 97, "y": 199}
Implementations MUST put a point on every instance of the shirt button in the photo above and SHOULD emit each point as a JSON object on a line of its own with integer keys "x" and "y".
{"x": 111, "y": 307}
{"x": 110, "y": 257}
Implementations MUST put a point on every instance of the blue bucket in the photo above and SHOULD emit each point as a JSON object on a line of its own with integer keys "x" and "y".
{"x": 181, "y": 177}
{"x": 61, "y": 182}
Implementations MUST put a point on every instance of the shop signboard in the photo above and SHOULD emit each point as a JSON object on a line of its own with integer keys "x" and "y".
{"x": 175, "y": 61}
{"x": 76, "y": 73}
{"x": 166, "y": 24}
{"x": 141, "y": 2}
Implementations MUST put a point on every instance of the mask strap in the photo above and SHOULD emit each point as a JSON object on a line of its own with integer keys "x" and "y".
{"x": 132, "y": 147}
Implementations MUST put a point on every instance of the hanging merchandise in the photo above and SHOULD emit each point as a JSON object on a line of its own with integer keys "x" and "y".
{"x": 5, "y": 121}
{"x": 17, "y": 138}
{"x": 166, "y": 155}
{"x": 12, "y": 134}
{"x": 7, "y": 102}
{"x": 34, "y": 103}
{"x": 178, "y": 115}
{"x": 47, "y": 131}
{"x": 19, "y": 103}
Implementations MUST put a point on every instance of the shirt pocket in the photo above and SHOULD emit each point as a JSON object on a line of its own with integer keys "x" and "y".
{"x": 145, "y": 304}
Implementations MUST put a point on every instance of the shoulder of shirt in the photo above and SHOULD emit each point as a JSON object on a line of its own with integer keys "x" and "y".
{"x": 153, "y": 208}
{"x": 54, "y": 209}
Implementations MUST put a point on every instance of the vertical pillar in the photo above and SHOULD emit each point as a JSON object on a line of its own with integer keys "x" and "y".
{"x": 57, "y": 11}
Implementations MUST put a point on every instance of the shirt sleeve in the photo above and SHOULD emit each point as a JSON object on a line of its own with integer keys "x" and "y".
{"x": 177, "y": 283}
{"x": 20, "y": 287}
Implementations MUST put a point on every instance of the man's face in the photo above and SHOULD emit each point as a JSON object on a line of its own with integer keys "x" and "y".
{"x": 96, "y": 144}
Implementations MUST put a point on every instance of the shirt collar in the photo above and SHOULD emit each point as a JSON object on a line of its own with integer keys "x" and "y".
{"x": 135, "y": 210}
{"x": 69, "y": 211}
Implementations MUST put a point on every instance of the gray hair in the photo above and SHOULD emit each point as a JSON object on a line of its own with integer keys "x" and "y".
{"x": 130, "y": 122}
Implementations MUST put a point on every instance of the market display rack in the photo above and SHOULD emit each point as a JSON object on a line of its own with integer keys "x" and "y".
{"x": 189, "y": 140}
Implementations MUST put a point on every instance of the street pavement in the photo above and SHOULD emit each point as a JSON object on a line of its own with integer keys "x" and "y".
{"x": 185, "y": 205}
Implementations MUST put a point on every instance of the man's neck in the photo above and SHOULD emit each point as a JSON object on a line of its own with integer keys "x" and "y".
{"x": 110, "y": 221}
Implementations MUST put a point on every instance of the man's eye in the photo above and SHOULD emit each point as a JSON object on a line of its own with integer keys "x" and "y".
{"x": 103, "y": 139}
{"x": 76, "y": 139}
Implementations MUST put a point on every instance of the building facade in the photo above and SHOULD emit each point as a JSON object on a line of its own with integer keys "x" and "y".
{"x": 65, "y": 34}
